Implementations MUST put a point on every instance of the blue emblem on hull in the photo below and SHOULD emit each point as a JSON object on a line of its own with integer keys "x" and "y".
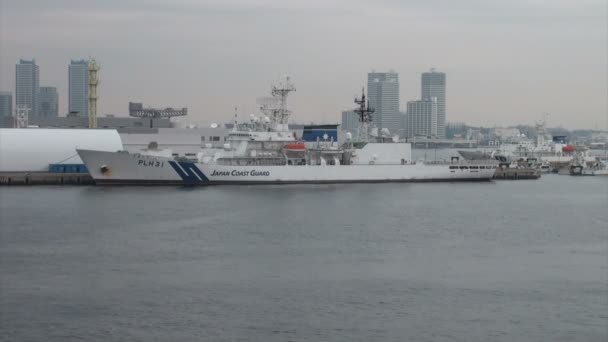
{"x": 189, "y": 172}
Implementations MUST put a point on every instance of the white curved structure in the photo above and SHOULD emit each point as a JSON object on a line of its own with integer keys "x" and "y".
{"x": 33, "y": 149}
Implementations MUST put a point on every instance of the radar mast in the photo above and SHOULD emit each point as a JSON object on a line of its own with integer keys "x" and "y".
{"x": 280, "y": 91}
{"x": 365, "y": 116}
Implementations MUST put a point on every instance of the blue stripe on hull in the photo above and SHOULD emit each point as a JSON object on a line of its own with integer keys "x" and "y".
{"x": 189, "y": 172}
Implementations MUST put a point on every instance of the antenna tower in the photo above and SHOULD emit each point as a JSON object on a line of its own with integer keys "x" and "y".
{"x": 365, "y": 116}
{"x": 281, "y": 91}
{"x": 93, "y": 82}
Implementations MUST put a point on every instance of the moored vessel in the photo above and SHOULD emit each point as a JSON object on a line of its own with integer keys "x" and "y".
{"x": 264, "y": 151}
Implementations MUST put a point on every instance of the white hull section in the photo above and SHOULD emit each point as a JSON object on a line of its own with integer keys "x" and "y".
{"x": 125, "y": 168}
{"x": 601, "y": 172}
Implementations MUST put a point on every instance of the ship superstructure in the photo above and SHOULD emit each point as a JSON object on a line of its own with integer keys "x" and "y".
{"x": 263, "y": 150}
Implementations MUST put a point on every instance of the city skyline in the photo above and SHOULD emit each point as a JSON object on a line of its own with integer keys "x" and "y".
{"x": 504, "y": 68}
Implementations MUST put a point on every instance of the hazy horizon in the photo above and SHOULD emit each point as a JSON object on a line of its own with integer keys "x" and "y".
{"x": 506, "y": 63}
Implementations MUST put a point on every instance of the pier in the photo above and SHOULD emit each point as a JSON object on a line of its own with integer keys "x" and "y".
{"x": 45, "y": 178}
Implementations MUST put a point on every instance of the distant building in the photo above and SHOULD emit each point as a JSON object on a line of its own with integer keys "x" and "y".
{"x": 6, "y": 104}
{"x": 350, "y": 121}
{"x": 6, "y": 109}
{"x": 433, "y": 85}
{"x": 27, "y": 76}
{"x": 455, "y": 125}
{"x": 48, "y": 102}
{"x": 102, "y": 122}
{"x": 78, "y": 93}
{"x": 422, "y": 118}
{"x": 455, "y": 130}
{"x": 403, "y": 117}
{"x": 506, "y": 134}
{"x": 383, "y": 95}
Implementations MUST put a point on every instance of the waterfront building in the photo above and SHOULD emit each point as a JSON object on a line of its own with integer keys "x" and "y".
{"x": 403, "y": 130}
{"x": 433, "y": 84}
{"x": 6, "y": 109}
{"x": 48, "y": 102}
{"x": 383, "y": 95}
{"x": 78, "y": 93}
{"x": 27, "y": 76}
{"x": 455, "y": 130}
{"x": 350, "y": 122}
{"x": 6, "y": 104}
{"x": 422, "y": 118}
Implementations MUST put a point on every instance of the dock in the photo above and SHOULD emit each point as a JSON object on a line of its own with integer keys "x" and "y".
{"x": 45, "y": 178}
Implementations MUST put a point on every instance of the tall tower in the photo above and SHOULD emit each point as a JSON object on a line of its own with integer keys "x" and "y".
{"x": 383, "y": 93}
{"x": 93, "y": 81}
{"x": 433, "y": 85}
{"x": 27, "y": 76}
{"x": 78, "y": 94}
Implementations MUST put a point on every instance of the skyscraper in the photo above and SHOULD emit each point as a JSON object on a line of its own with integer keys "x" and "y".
{"x": 422, "y": 118}
{"x": 27, "y": 77}
{"x": 6, "y": 105}
{"x": 433, "y": 85}
{"x": 350, "y": 122}
{"x": 48, "y": 102}
{"x": 78, "y": 99}
{"x": 383, "y": 94}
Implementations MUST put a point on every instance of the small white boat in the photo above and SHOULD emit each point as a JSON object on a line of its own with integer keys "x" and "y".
{"x": 599, "y": 168}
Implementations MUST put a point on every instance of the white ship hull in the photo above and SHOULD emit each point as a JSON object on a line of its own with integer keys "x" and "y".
{"x": 126, "y": 168}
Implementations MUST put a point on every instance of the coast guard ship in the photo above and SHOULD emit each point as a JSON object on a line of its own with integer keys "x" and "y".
{"x": 264, "y": 151}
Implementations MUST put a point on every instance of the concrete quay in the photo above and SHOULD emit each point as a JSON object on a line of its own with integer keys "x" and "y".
{"x": 45, "y": 178}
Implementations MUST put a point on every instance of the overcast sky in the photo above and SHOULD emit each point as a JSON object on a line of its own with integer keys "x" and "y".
{"x": 507, "y": 62}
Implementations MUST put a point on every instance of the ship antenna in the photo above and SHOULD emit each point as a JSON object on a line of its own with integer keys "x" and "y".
{"x": 235, "y": 118}
{"x": 365, "y": 116}
{"x": 281, "y": 91}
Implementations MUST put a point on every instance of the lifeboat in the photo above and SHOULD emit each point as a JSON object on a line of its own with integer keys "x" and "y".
{"x": 295, "y": 146}
{"x": 568, "y": 148}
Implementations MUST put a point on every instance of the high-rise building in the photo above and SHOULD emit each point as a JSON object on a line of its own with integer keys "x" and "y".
{"x": 48, "y": 102}
{"x": 78, "y": 98}
{"x": 350, "y": 122}
{"x": 422, "y": 118}
{"x": 6, "y": 104}
{"x": 383, "y": 94}
{"x": 433, "y": 85}
{"x": 27, "y": 76}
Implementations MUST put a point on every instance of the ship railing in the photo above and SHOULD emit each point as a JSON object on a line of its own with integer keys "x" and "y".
{"x": 463, "y": 162}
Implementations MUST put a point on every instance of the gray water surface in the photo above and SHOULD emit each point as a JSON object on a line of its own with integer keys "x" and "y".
{"x": 498, "y": 261}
